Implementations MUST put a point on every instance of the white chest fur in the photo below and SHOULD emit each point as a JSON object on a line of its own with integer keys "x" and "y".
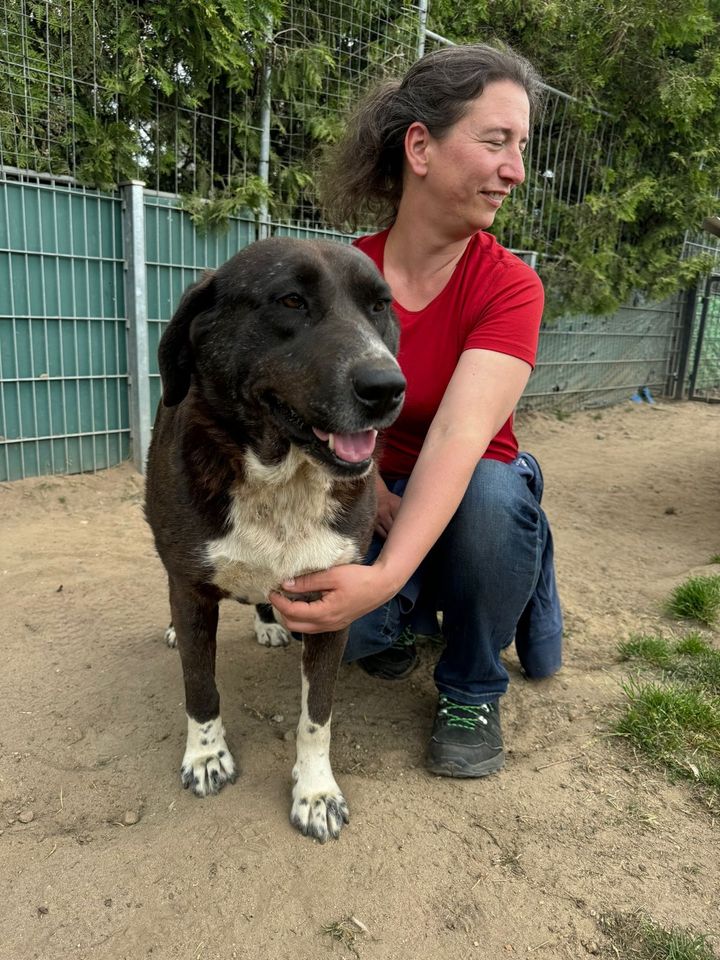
{"x": 278, "y": 527}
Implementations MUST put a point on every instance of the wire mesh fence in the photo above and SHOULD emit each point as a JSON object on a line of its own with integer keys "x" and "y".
{"x": 89, "y": 90}
{"x": 109, "y": 92}
{"x": 586, "y": 361}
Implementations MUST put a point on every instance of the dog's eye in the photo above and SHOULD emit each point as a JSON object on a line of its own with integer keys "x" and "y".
{"x": 380, "y": 305}
{"x": 293, "y": 301}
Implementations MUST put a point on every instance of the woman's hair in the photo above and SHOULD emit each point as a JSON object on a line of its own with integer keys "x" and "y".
{"x": 361, "y": 177}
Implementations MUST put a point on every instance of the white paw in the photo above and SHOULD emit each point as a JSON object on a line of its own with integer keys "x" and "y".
{"x": 171, "y": 637}
{"x": 208, "y": 764}
{"x": 319, "y": 814}
{"x": 271, "y": 634}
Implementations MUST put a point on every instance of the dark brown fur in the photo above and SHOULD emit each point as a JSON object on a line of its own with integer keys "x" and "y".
{"x": 286, "y": 336}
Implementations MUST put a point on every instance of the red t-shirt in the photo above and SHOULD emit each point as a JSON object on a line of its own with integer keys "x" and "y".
{"x": 493, "y": 301}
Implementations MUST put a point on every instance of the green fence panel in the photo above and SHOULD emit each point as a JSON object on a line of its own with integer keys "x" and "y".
{"x": 64, "y": 405}
{"x": 63, "y": 362}
{"x": 588, "y": 361}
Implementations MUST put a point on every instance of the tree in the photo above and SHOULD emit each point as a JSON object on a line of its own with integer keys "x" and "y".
{"x": 172, "y": 93}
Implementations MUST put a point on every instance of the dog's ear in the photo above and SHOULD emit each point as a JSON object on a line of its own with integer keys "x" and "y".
{"x": 174, "y": 351}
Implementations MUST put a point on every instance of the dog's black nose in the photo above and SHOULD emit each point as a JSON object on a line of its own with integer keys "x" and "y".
{"x": 378, "y": 388}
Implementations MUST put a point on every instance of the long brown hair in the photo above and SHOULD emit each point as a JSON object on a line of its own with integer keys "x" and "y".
{"x": 360, "y": 178}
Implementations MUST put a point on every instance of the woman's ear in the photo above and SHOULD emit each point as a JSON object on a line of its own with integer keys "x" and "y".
{"x": 417, "y": 140}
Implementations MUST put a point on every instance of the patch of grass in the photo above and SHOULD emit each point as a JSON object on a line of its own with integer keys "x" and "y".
{"x": 636, "y": 936}
{"x": 690, "y": 659}
{"x": 676, "y": 726}
{"x": 561, "y": 414}
{"x": 696, "y": 599}
{"x": 715, "y": 558}
{"x": 344, "y": 932}
{"x": 655, "y": 650}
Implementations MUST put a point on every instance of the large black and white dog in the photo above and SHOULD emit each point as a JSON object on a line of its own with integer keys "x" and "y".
{"x": 278, "y": 370}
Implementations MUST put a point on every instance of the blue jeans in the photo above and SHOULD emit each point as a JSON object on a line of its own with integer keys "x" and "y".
{"x": 481, "y": 573}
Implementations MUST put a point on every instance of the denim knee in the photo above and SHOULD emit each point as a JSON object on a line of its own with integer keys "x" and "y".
{"x": 497, "y": 517}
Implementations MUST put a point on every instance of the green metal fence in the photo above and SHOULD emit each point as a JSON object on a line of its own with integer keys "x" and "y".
{"x": 70, "y": 322}
{"x": 63, "y": 365}
{"x": 586, "y": 361}
{"x": 704, "y": 348}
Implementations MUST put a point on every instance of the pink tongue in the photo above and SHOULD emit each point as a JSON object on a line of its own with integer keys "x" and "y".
{"x": 352, "y": 447}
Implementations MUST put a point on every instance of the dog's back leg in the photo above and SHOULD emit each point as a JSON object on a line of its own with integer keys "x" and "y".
{"x": 268, "y": 631}
{"x": 207, "y": 764}
{"x": 318, "y": 809}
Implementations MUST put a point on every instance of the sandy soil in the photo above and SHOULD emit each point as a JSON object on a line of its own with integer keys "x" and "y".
{"x": 119, "y": 862}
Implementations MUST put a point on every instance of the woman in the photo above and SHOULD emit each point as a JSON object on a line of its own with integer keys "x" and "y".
{"x": 459, "y": 528}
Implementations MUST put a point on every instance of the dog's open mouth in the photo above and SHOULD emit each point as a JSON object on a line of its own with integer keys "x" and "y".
{"x": 349, "y": 447}
{"x": 350, "y": 451}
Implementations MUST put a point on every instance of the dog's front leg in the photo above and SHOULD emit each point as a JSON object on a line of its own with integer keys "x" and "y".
{"x": 318, "y": 809}
{"x": 207, "y": 764}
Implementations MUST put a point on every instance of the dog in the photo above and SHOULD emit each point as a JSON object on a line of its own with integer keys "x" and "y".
{"x": 278, "y": 370}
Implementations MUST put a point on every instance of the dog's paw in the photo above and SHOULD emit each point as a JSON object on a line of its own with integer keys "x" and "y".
{"x": 271, "y": 634}
{"x": 319, "y": 815}
{"x": 208, "y": 764}
{"x": 171, "y": 637}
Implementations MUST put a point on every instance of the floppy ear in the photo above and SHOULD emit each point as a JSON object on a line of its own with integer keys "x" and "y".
{"x": 174, "y": 351}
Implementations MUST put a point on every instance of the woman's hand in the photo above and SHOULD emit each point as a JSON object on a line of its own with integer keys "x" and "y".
{"x": 348, "y": 592}
{"x": 388, "y": 505}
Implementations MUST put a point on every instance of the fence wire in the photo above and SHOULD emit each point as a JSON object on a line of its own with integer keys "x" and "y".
{"x": 74, "y": 102}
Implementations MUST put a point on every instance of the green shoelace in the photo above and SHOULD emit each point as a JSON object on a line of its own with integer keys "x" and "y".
{"x": 463, "y": 715}
{"x": 406, "y": 638}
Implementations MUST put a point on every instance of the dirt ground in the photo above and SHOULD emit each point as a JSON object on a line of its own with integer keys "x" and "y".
{"x": 103, "y": 855}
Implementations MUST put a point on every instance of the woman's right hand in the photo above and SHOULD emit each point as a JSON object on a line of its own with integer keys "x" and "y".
{"x": 388, "y": 505}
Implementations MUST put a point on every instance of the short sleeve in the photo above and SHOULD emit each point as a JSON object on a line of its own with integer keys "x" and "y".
{"x": 509, "y": 312}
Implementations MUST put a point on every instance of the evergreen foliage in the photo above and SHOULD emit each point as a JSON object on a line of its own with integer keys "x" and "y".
{"x": 170, "y": 92}
{"x": 654, "y": 67}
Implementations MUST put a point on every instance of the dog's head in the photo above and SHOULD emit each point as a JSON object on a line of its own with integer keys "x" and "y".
{"x": 291, "y": 342}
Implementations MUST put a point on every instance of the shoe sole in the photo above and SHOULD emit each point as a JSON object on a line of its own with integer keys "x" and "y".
{"x": 459, "y": 768}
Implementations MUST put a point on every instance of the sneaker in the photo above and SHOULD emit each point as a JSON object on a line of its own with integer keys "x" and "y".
{"x": 466, "y": 740}
{"x": 394, "y": 663}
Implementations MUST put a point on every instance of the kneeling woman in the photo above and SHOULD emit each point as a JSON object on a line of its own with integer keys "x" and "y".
{"x": 459, "y": 525}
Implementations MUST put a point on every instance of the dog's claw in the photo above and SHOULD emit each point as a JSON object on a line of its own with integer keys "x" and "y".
{"x": 208, "y": 764}
{"x": 320, "y": 817}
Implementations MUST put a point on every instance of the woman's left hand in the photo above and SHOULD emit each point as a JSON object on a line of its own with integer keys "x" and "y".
{"x": 348, "y": 592}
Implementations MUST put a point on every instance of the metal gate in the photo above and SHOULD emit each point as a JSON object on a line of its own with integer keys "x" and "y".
{"x": 704, "y": 381}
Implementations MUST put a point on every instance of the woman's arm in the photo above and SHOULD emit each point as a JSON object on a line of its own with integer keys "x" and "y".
{"x": 480, "y": 397}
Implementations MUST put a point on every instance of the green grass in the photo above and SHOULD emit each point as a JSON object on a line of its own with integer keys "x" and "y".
{"x": 675, "y": 726}
{"x": 715, "y": 558}
{"x": 636, "y": 936}
{"x": 696, "y": 599}
{"x": 675, "y": 721}
{"x": 691, "y": 659}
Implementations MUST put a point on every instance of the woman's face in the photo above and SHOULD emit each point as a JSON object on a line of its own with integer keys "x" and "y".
{"x": 466, "y": 175}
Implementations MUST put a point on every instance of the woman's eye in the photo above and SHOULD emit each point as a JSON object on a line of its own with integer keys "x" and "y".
{"x": 293, "y": 301}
